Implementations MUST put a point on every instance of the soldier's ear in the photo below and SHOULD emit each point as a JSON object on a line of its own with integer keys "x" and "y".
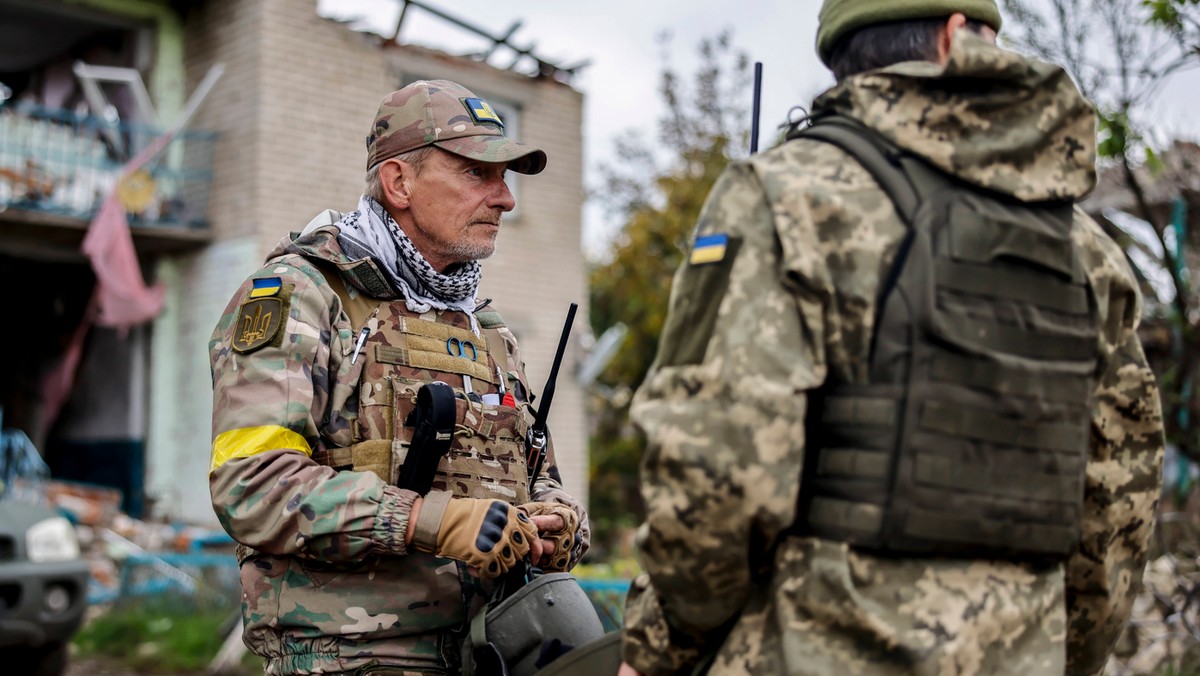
{"x": 396, "y": 176}
{"x": 945, "y": 40}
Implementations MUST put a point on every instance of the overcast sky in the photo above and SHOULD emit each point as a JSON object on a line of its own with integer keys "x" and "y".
{"x": 619, "y": 38}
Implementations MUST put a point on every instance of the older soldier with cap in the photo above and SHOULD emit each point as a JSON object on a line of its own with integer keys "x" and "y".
{"x": 317, "y": 366}
{"x": 938, "y": 451}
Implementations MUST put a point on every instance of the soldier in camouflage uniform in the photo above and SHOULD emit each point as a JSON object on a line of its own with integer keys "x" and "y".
{"x": 316, "y": 366}
{"x": 797, "y": 242}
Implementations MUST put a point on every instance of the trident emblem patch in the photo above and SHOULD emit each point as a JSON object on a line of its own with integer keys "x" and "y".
{"x": 259, "y": 320}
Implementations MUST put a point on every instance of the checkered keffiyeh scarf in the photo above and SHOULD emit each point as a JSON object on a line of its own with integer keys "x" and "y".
{"x": 370, "y": 232}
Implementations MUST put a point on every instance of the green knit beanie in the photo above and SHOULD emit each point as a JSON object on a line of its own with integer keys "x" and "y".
{"x": 840, "y": 17}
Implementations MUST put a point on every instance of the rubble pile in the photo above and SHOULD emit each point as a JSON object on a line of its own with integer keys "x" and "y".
{"x": 128, "y": 556}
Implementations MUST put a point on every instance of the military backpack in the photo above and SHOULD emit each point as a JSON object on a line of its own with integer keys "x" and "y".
{"x": 971, "y": 437}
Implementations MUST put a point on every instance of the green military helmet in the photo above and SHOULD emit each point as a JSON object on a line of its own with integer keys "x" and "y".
{"x": 552, "y": 608}
{"x": 839, "y": 18}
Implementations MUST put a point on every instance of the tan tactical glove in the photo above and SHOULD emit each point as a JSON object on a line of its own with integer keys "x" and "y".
{"x": 490, "y": 535}
{"x": 564, "y": 540}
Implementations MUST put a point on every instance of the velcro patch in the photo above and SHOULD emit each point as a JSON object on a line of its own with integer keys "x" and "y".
{"x": 482, "y": 112}
{"x": 709, "y": 249}
{"x": 260, "y": 321}
{"x": 269, "y": 286}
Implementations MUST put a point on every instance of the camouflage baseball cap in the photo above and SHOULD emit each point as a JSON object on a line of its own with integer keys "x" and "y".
{"x": 447, "y": 115}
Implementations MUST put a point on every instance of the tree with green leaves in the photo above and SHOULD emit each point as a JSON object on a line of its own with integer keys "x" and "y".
{"x": 658, "y": 197}
{"x": 1124, "y": 54}
{"x": 1180, "y": 17}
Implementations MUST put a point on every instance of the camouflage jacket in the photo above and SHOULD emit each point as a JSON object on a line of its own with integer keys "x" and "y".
{"x": 308, "y": 436}
{"x": 726, "y": 426}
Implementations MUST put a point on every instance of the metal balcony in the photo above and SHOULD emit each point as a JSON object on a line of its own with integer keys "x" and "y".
{"x": 57, "y": 167}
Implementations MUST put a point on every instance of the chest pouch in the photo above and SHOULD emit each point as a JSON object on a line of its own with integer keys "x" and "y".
{"x": 971, "y": 436}
{"x": 483, "y": 455}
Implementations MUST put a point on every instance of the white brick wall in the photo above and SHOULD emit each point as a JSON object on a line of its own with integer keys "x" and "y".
{"x": 293, "y": 109}
{"x": 198, "y": 288}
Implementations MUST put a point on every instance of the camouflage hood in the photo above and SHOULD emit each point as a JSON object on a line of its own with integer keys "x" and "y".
{"x": 321, "y": 244}
{"x": 992, "y": 117}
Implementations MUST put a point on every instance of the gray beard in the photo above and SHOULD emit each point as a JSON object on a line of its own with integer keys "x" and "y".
{"x": 370, "y": 232}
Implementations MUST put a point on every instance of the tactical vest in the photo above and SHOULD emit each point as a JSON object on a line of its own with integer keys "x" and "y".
{"x": 402, "y": 352}
{"x": 971, "y": 437}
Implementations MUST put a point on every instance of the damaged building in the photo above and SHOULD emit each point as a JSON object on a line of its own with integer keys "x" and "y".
{"x": 152, "y": 153}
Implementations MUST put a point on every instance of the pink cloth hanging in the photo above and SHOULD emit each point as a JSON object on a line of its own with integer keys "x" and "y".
{"x": 123, "y": 297}
{"x": 57, "y": 384}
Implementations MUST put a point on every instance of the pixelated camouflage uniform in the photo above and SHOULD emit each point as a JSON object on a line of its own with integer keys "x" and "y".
{"x": 328, "y": 584}
{"x": 721, "y": 473}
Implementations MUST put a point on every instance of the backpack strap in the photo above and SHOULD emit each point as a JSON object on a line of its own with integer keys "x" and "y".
{"x": 905, "y": 179}
{"x": 358, "y": 308}
{"x": 891, "y": 168}
{"x": 490, "y": 325}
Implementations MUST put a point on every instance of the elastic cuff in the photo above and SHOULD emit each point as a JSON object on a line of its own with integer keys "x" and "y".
{"x": 392, "y": 523}
{"x": 429, "y": 521}
{"x": 648, "y": 643}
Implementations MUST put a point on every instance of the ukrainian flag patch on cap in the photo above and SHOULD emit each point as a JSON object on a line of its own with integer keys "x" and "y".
{"x": 482, "y": 112}
{"x": 268, "y": 286}
{"x": 709, "y": 249}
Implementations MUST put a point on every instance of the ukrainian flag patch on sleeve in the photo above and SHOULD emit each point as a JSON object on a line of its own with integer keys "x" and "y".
{"x": 709, "y": 249}
{"x": 266, "y": 287}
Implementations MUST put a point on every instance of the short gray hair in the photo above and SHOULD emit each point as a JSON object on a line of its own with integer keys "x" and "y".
{"x": 413, "y": 158}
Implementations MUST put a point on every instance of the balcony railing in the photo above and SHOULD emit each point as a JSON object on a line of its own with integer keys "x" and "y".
{"x": 57, "y": 162}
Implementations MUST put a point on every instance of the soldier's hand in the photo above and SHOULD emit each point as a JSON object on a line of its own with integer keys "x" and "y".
{"x": 557, "y": 527}
{"x": 490, "y": 535}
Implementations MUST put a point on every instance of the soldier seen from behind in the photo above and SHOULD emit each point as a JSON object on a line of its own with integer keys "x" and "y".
{"x": 359, "y": 346}
{"x": 900, "y": 421}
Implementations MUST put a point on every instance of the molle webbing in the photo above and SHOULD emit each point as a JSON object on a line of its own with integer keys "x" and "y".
{"x": 971, "y": 436}
{"x": 428, "y": 345}
{"x": 375, "y": 455}
{"x": 486, "y": 457}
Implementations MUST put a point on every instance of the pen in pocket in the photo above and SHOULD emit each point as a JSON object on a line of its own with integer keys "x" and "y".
{"x": 358, "y": 344}
{"x": 506, "y": 398}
